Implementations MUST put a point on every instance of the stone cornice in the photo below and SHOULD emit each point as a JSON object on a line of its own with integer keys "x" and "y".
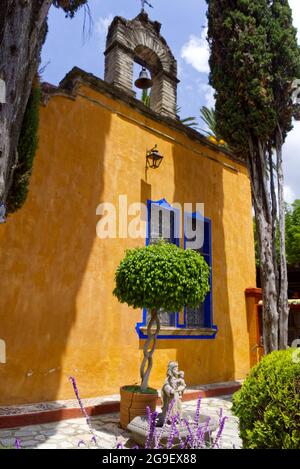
{"x": 68, "y": 88}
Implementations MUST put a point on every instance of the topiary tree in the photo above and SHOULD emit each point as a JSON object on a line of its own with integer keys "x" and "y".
{"x": 160, "y": 276}
{"x": 268, "y": 404}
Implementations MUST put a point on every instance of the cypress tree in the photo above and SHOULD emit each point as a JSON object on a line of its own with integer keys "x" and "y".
{"x": 254, "y": 60}
{"x": 286, "y": 66}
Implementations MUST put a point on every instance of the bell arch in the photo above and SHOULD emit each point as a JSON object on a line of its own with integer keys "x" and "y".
{"x": 139, "y": 40}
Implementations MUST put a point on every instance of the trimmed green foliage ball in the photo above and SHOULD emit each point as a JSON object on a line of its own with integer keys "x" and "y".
{"x": 268, "y": 404}
{"x": 162, "y": 276}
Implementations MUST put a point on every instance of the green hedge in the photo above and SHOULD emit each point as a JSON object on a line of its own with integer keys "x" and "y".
{"x": 268, "y": 404}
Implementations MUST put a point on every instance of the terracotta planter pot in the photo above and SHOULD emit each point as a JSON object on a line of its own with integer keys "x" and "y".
{"x": 133, "y": 404}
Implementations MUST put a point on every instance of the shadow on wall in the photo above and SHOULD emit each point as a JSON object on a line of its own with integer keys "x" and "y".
{"x": 45, "y": 248}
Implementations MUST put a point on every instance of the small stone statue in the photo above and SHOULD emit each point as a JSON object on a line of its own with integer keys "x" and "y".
{"x": 173, "y": 390}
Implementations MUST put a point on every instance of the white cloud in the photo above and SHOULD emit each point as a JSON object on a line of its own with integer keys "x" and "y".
{"x": 289, "y": 194}
{"x": 179, "y": 70}
{"x": 196, "y": 52}
{"x": 291, "y": 159}
{"x": 103, "y": 23}
{"x": 208, "y": 93}
{"x": 295, "y": 5}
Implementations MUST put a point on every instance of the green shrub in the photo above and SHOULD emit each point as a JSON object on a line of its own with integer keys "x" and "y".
{"x": 268, "y": 404}
{"x": 162, "y": 276}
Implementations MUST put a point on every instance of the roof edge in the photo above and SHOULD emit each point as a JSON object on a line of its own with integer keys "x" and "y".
{"x": 68, "y": 85}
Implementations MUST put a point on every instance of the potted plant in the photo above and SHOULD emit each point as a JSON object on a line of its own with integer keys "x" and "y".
{"x": 157, "y": 276}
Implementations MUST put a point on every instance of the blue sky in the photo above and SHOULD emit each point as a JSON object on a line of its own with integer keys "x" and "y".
{"x": 183, "y": 26}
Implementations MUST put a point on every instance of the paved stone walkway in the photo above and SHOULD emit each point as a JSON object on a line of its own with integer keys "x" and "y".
{"x": 74, "y": 433}
{"x": 94, "y": 401}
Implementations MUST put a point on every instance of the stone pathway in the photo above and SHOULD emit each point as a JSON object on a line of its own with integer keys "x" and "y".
{"x": 74, "y": 433}
{"x": 94, "y": 401}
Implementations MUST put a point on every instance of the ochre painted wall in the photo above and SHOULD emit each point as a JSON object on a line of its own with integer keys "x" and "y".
{"x": 58, "y": 316}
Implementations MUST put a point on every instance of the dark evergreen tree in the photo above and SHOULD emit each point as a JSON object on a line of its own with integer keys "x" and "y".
{"x": 23, "y": 27}
{"x": 253, "y": 79}
{"x": 285, "y": 67}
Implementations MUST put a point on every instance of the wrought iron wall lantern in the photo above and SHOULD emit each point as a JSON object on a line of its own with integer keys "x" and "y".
{"x": 153, "y": 158}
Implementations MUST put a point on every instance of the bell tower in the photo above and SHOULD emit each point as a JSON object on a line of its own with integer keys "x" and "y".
{"x": 139, "y": 41}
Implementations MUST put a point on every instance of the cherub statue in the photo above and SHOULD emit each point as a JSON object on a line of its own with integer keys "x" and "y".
{"x": 173, "y": 390}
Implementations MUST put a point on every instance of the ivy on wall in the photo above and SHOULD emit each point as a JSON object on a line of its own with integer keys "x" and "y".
{"x": 27, "y": 147}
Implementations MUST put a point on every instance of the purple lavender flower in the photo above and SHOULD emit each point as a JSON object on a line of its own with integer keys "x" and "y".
{"x": 167, "y": 418}
{"x": 17, "y": 444}
{"x": 222, "y": 421}
{"x": 190, "y": 436}
{"x": 201, "y": 432}
{"x": 151, "y": 435}
{"x": 121, "y": 446}
{"x": 173, "y": 432}
{"x": 94, "y": 439}
{"x": 197, "y": 431}
{"x": 197, "y": 414}
{"x": 81, "y": 442}
{"x": 87, "y": 418}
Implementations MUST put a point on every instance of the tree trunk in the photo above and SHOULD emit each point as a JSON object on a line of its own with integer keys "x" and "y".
{"x": 22, "y": 33}
{"x": 283, "y": 305}
{"x": 149, "y": 349}
{"x": 257, "y": 164}
{"x": 274, "y": 214}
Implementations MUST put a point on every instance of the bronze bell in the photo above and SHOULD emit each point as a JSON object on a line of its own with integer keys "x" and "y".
{"x": 143, "y": 82}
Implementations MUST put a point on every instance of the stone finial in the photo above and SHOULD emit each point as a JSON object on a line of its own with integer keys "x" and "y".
{"x": 139, "y": 40}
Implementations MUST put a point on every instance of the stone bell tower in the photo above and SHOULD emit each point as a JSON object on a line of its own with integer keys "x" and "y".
{"x": 139, "y": 41}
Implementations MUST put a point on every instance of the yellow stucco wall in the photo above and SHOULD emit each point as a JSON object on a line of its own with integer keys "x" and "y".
{"x": 57, "y": 313}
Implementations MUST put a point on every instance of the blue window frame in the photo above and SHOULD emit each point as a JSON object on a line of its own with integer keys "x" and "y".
{"x": 197, "y": 318}
{"x": 165, "y": 213}
{"x": 201, "y": 316}
{"x": 162, "y": 223}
